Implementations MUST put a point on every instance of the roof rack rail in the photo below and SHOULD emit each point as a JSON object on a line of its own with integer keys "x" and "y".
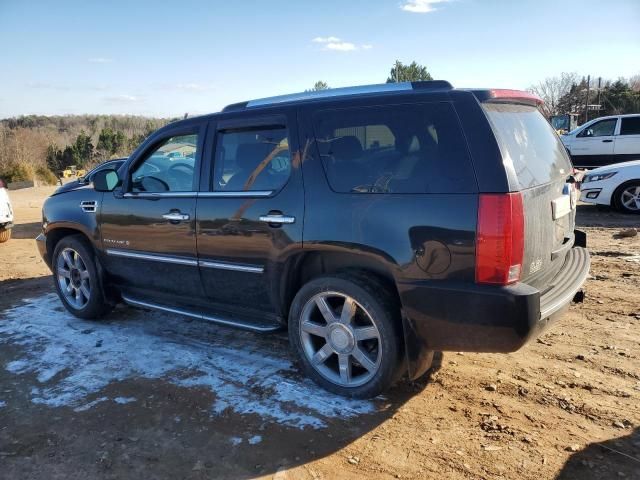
{"x": 338, "y": 92}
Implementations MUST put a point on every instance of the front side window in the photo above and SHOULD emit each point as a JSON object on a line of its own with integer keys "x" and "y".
{"x": 394, "y": 149}
{"x": 169, "y": 168}
{"x": 603, "y": 128}
{"x": 630, "y": 126}
{"x": 256, "y": 159}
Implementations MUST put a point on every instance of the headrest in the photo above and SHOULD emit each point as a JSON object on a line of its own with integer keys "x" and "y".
{"x": 345, "y": 148}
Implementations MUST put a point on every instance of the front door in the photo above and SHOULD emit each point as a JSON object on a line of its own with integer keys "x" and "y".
{"x": 148, "y": 227}
{"x": 250, "y": 220}
{"x": 593, "y": 146}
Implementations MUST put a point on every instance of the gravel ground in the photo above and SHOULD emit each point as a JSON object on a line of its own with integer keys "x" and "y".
{"x": 151, "y": 395}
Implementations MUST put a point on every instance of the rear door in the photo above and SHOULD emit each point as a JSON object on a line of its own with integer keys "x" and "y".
{"x": 251, "y": 216}
{"x": 540, "y": 167}
{"x": 593, "y": 146}
{"x": 627, "y": 143}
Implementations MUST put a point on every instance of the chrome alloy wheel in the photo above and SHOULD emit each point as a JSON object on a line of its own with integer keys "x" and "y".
{"x": 340, "y": 339}
{"x": 630, "y": 197}
{"x": 73, "y": 278}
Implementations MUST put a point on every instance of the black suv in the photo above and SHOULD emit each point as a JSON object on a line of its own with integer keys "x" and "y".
{"x": 378, "y": 224}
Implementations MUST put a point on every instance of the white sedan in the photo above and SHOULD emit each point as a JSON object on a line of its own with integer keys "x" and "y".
{"x": 616, "y": 185}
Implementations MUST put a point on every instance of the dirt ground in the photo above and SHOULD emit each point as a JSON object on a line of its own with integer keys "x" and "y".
{"x": 146, "y": 395}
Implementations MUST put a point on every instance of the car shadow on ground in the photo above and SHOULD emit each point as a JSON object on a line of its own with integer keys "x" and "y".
{"x": 26, "y": 230}
{"x": 160, "y": 394}
{"x": 594, "y": 461}
{"x": 588, "y": 215}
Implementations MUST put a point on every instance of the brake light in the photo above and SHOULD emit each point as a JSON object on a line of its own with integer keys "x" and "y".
{"x": 499, "y": 238}
{"x": 515, "y": 95}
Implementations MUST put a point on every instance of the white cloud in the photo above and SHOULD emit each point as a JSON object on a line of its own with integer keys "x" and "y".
{"x": 337, "y": 44}
{"x": 100, "y": 60}
{"x": 326, "y": 39}
{"x": 122, "y": 99}
{"x": 341, "y": 46}
{"x": 421, "y": 6}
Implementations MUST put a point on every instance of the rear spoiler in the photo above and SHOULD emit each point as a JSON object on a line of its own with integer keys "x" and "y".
{"x": 501, "y": 95}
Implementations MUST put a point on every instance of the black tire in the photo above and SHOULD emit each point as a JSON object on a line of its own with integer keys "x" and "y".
{"x": 383, "y": 311}
{"x": 97, "y": 305}
{"x": 5, "y": 235}
{"x": 616, "y": 199}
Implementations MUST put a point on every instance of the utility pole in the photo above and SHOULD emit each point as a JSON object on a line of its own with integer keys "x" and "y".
{"x": 586, "y": 100}
{"x": 599, "y": 86}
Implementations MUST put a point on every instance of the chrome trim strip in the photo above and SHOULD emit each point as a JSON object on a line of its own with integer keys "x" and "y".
{"x": 256, "y": 193}
{"x": 244, "y": 194}
{"x": 221, "y": 321}
{"x": 148, "y": 256}
{"x": 161, "y": 195}
{"x": 332, "y": 92}
{"x": 230, "y": 266}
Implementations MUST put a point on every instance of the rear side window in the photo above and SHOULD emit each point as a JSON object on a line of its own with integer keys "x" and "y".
{"x": 630, "y": 126}
{"x": 529, "y": 143}
{"x": 252, "y": 159}
{"x": 416, "y": 148}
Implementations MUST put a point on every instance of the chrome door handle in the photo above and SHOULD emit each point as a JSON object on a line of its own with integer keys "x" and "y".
{"x": 176, "y": 216}
{"x": 281, "y": 219}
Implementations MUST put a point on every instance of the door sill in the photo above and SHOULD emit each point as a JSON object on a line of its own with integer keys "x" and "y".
{"x": 261, "y": 327}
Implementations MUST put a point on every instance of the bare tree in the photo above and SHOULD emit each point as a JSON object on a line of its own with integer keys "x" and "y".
{"x": 552, "y": 89}
{"x": 634, "y": 83}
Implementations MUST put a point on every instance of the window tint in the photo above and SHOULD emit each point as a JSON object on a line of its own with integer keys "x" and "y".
{"x": 602, "y": 128}
{"x": 529, "y": 142}
{"x": 415, "y": 148}
{"x": 630, "y": 126}
{"x": 251, "y": 160}
{"x": 169, "y": 168}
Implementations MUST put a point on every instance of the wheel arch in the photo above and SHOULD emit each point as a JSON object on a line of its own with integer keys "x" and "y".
{"x": 59, "y": 230}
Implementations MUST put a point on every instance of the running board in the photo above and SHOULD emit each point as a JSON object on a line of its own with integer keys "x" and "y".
{"x": 219, "y": 320}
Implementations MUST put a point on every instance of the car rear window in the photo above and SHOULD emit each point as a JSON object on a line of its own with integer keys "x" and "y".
{"x": 409, "y": 148}
{"x": 529, "y": 143}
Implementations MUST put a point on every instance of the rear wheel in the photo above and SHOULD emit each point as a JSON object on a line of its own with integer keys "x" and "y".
{"x": 76, "y": 278}
{"x": 626, "y": 198}
{"x": 345, "y": 332}
{"x": 5, "y": 235}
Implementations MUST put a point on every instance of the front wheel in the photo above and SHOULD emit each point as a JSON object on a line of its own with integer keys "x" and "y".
{"x": 76, "y": 278}
{"x": 345, "y": 332}
{"x": 5, "y": 235}
{"x": 626, "y": 198}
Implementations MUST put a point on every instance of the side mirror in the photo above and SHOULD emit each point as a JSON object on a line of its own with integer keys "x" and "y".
{"x": 106, "y": 180}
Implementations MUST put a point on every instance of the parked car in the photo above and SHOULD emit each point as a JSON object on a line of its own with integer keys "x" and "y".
{"x": 378, "y": 224}
{"x": 615, "y": 185}
{"x": 6, "y": 213}
{"x": 604, "y": 140}
{"x": 88, "y": 178}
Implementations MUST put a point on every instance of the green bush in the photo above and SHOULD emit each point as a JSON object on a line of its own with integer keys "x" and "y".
{"x": 17, "y": 172}
{"x": 46, "y": 176}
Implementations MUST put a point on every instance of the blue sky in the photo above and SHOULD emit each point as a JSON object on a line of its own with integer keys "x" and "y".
{"x": 168, "y": 58}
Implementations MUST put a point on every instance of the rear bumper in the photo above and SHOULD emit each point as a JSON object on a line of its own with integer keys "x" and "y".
{"x": 481, "y": 318}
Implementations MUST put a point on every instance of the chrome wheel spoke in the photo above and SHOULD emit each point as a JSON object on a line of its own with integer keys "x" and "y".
{"x": 84, "y": 274}
{"x": 348, "y": 310}
{"x": 322, "y": 355}
{"x": 85, "y": 291}
{"x": 364, "y": 360}
{"x": 314, "y": 329}
{"x": 365, "y": 333}
{"x": 344, "y": 365}
{"x": 66, "y": 255}
{"x": 325, "y": 310}
{"x": 64, "y": 273}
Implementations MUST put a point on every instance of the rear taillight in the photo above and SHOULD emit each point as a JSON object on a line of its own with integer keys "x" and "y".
{"x": 500, "y": 238}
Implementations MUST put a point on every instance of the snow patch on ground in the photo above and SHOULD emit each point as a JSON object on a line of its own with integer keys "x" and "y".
{"x": 73, "y": 360}
{"x": 255, "y": 440}
{"x": 3, "y": 404}
{"x": 124, "y": 400}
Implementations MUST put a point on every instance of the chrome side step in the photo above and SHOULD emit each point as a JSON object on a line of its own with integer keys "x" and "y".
{"x": 219, "y": 320}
